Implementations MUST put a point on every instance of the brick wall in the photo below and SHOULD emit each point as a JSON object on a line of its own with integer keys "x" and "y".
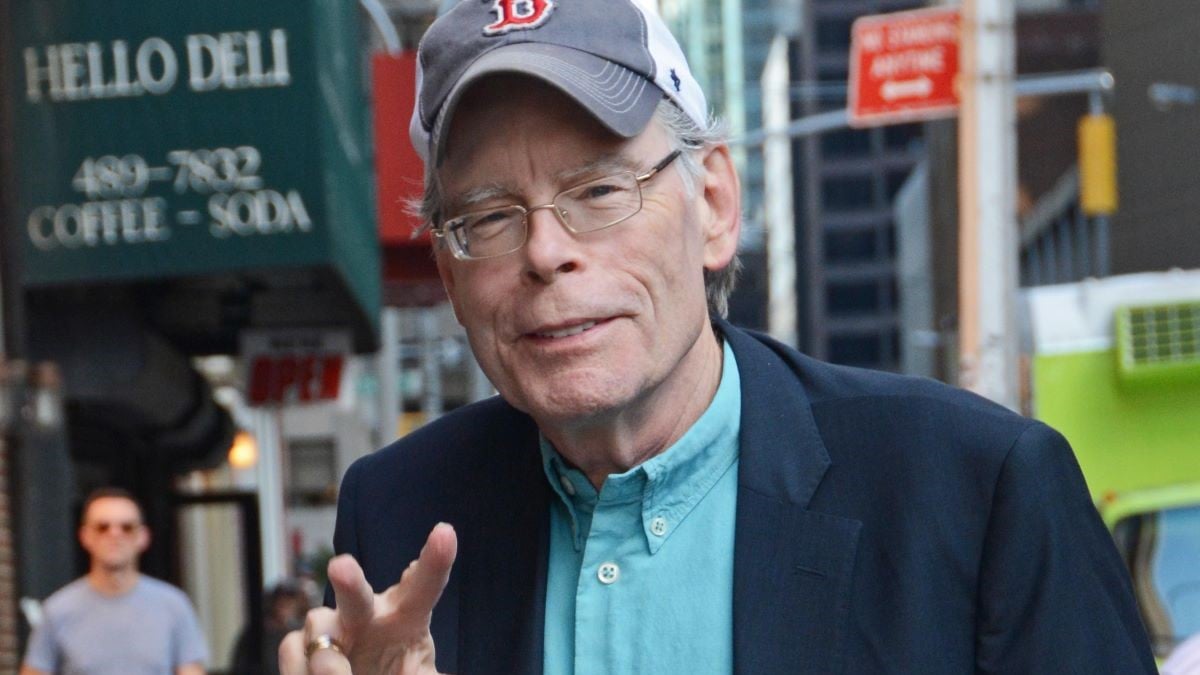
{"x": 9, "y": 653}
{"x": 8, "y": 586}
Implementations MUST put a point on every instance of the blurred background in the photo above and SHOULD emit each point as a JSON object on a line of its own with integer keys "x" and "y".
{"x": 212, "y": 296}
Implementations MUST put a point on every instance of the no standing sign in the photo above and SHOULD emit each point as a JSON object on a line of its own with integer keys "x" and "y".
{"x": 903, "y": 67}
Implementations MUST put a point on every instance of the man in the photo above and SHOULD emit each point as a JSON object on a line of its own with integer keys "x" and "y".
{"x": 114, "y": 620}
{"x": 656, "y": 491}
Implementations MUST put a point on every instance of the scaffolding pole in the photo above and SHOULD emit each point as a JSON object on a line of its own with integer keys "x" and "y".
{"x": 781, "y": 229}
{"x": 988, "y": 348}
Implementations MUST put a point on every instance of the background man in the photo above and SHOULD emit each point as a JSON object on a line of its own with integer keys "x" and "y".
{"x": 656, "y": 491}
{"x": 114, "y": 620}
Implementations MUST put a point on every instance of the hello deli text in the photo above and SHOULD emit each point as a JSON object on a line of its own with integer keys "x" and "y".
{"x": 81, "y": 71}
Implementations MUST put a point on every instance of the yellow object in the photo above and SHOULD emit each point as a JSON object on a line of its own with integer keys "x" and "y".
{"x": 409, "y": 422}
{"x": 1097, "y": 165}
{"x": 243, "y": 454}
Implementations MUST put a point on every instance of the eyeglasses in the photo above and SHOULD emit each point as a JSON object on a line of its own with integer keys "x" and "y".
{"x": 127, "y": 527}
{"x": 595, "y": 205}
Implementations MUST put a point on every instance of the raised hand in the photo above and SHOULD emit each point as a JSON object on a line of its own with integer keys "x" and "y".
{"x": 375, "y": 634}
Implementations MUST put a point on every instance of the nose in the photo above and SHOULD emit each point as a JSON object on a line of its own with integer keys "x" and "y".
{"x": 550, "y": 249}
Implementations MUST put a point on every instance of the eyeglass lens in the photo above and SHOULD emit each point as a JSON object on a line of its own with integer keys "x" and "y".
{"x": 594, "y": 205}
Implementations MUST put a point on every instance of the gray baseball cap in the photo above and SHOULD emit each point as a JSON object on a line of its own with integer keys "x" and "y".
{"x": 616, "y": 58}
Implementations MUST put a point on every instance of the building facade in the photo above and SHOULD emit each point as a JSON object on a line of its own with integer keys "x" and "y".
{"x": 1150, "y": 50}
{"x": 847, "y": 181}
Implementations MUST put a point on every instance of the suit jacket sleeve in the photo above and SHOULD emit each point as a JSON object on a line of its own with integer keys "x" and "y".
{"x": 1054, "y": 595}
{"x": 345, "y": 531}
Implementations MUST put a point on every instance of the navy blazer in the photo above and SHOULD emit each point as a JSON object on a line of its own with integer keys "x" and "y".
{"x": 885, "y": 524}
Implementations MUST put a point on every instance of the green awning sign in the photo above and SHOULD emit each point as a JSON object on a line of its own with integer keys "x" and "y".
{"x": 172, "y": 139}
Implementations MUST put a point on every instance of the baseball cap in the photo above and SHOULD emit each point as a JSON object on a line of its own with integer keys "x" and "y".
{"x": 615, "y": 58}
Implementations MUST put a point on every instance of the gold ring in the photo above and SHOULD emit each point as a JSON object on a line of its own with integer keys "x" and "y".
{"x": 323, "y": 641}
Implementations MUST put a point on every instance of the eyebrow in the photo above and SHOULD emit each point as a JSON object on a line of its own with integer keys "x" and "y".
{"x": 613, "y": 162}
{"x": 608, "y": 163}
{"x": 476, "y": 196}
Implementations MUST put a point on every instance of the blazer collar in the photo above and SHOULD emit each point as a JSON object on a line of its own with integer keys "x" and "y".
{"x": 782, "y": 454}
{"x": 792, "y": 566}
{"x": 503, "y": 559}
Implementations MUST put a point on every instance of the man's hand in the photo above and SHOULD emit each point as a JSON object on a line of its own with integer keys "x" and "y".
{"x": 384, "y": 634}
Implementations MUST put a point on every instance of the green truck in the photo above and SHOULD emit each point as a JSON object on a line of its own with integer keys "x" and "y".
{"x": 1114, "y": 364}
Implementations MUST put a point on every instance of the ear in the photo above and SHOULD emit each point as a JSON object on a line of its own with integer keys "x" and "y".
{"x": 722, "y": 203}
{"x": 143, "y": 540}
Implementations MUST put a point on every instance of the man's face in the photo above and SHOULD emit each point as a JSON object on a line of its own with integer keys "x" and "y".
{"x": 574, "y": 328}
{"x": 113, "y": 534}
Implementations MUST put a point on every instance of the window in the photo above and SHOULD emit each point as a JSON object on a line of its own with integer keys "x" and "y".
{"x": 894, "y": 181}
{"x": 903, "y": 137}
{"x": 856, "y": 350}
{"x": 833, "y": 72}
{"x": 849, "y": 247}
{"x": 848, "y": 193}
{"x": 846, "y": 143}
{"x": 312, "y": 474}
{"x": 1161, "y": 549}
{"x": 833, "y": 33}
{"x": 853, "y": 298}
{"x": 889, "y": 241}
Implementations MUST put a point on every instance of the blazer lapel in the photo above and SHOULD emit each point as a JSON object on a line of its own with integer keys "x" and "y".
{"x": 792, "y": 567}
{"x": 504, "y": 556}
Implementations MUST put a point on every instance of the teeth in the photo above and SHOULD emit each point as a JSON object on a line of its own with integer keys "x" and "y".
{"x": 568, "y": 332}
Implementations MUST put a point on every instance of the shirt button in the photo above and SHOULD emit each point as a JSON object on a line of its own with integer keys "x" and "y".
{"x": 567, "y": 485}
{"x": 608, "y": 573}
{"x": 658, "y": 526}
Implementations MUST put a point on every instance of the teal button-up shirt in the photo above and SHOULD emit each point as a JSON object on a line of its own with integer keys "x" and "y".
{"x": 641, "y": 574}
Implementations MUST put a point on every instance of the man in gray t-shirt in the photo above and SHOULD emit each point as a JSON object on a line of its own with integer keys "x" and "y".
{"x": 114, "y": 620}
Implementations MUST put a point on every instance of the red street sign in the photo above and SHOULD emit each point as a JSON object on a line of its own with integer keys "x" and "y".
{"x": 903, "y": 67}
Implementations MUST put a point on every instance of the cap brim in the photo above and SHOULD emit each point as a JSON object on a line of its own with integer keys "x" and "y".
{"x": 620, "y": 99}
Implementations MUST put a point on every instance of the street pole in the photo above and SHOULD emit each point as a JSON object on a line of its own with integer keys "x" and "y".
{"x": 267, "y": 427}
{"x": 388, "y": 368}
{"x": 987, "y": 202}
{"x": 781, "y": 231}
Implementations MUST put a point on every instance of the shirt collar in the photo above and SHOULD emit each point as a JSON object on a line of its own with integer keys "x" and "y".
{"x": 670, "y": 484}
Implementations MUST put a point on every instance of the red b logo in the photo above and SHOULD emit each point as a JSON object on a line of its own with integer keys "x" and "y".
{"x": 518, "y": 15}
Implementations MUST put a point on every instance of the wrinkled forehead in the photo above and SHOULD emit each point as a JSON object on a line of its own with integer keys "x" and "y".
{"x": 512, "y": 138}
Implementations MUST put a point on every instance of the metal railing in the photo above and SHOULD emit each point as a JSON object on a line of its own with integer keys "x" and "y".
{"x": 1059, "y": 243}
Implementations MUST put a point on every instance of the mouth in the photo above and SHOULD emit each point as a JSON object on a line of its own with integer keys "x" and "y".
{"x": 566, "y": 330}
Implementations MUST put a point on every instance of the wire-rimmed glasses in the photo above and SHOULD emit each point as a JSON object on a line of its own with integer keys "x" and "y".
{"x": 595, "y": 205}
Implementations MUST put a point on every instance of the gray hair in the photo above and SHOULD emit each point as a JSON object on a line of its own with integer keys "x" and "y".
{"x": 684, "y": 135}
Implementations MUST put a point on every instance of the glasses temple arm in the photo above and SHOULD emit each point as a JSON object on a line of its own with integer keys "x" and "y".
{"x": 659, "y": 167}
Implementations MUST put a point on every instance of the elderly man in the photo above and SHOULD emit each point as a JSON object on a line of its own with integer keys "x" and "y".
{"x": 656, "y": 491}
{"x": 115, "y": 620}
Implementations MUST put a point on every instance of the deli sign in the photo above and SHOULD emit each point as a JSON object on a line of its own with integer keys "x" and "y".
{"x": 296, "y": 366}
{"x": 904, "y": 67}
